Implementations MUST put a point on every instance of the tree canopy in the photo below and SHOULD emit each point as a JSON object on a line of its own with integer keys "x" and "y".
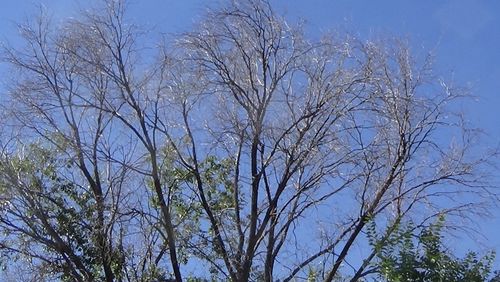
{"x": 242, "y": 150}
{"x": 403, "y": 259}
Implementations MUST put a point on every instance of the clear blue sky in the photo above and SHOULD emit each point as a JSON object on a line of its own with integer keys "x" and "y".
{"x": 463, "y": 34}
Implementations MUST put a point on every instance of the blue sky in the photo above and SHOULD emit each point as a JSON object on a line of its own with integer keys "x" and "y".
{"x": 463, "y": 34}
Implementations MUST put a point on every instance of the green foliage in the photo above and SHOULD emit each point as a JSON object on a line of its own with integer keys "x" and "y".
{"x": 312, "y": 275}
{"x": 216, "y": 176}
{"x": 401, "y": 257}
{"x": 46, "y": 207}
{"x": 189, "y": 216}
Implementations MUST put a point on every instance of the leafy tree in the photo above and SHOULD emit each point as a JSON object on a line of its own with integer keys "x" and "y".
{"x": 51, "y": 219}
{"x": 426, "y": 259}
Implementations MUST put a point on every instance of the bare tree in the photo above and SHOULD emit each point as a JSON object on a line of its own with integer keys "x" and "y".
{"x": 312, "y": 123}
{"x": 250, "y": 153}
{"x": 74, "y": 95}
